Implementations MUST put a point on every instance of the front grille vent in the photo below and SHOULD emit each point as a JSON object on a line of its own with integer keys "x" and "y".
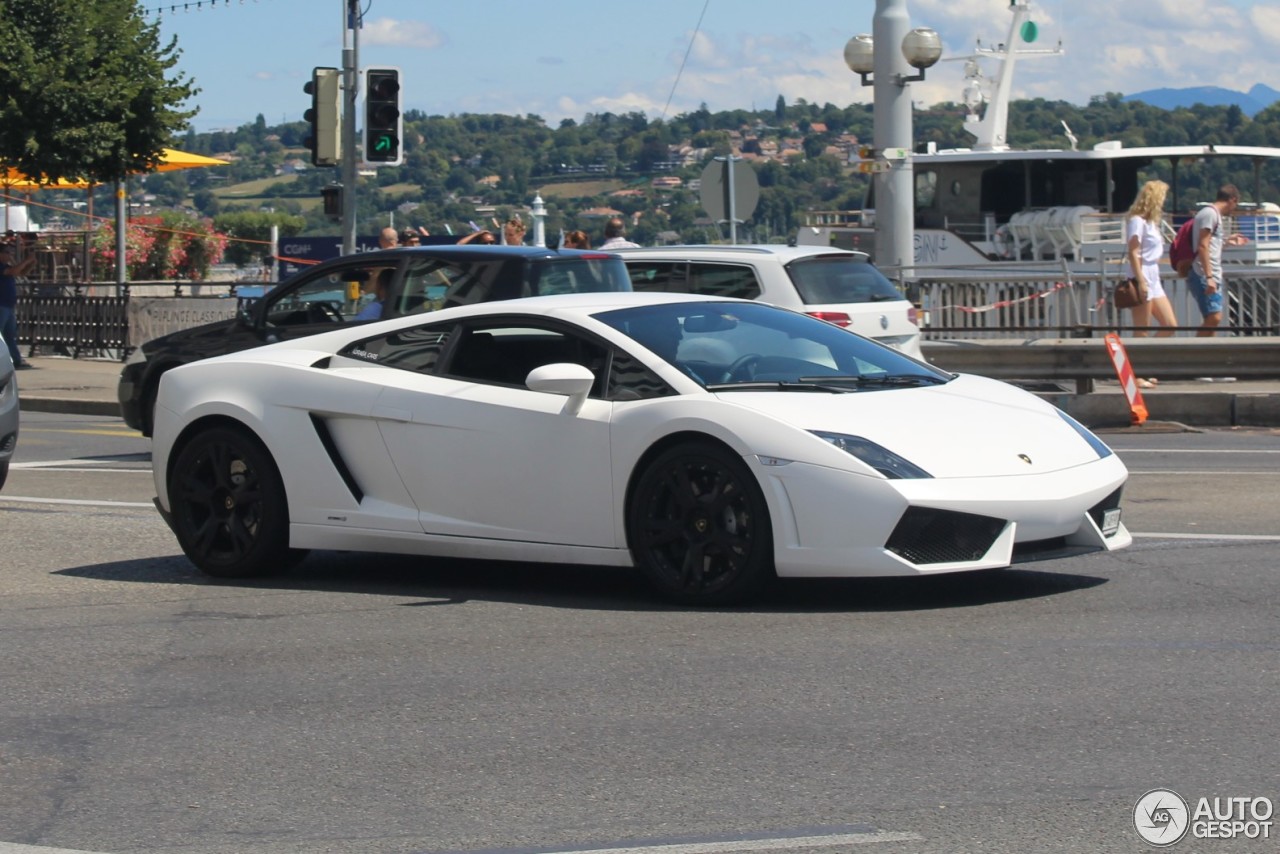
{"x": 924, "y": 535}
{"x": 1111, "y": 502}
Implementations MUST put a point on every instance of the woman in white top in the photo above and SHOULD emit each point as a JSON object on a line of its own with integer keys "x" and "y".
{"x": 1145, "y": 244}
{"x": 1146, "y": 247}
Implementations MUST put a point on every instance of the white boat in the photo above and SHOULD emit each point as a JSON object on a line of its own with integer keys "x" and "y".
{"x": 992, "y": 202}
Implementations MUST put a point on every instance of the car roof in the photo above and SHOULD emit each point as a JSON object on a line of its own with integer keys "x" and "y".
{"x": 783, "y": 253}
{"x": 573, "y": 307}
{"x": 468, "y": 252}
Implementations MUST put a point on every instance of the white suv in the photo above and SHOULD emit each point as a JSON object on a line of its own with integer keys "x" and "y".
{"x": 835, "y": 285}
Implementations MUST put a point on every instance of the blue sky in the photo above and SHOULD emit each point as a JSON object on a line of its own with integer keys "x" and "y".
{"x": 562, "y": 60}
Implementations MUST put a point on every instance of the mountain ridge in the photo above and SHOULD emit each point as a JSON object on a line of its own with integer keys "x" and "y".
{"x": 1257, "y": 99}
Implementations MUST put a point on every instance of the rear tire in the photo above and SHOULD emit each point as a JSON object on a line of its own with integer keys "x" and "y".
{"x": 230, "y": 511}
{"x": 699, "y": 528}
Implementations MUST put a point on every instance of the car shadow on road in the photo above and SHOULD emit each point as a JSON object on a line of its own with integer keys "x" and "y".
{"x": 442, "y": 581}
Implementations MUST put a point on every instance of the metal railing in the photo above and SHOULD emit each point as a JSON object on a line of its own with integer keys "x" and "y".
{"x": 987, "y": 303}
{"x": 1083, "y": 361}
{"x": 994, "y": 304}
{"x": 74, "y": 325}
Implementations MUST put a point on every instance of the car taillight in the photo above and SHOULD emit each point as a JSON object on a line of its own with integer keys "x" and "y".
{"x": 839, "y": 318}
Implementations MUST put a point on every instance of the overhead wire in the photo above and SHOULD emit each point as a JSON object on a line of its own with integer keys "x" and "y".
{"x": 696, "y": 29}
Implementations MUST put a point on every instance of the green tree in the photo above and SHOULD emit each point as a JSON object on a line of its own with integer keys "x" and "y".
{"x": 84, "y": 91}
{"x": 249, "y": 233}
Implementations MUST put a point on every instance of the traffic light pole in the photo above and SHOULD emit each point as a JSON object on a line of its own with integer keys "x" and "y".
{"x": 350, "y": 86}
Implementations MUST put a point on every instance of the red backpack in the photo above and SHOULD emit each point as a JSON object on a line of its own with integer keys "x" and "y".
{"x": 1183, "y": 251}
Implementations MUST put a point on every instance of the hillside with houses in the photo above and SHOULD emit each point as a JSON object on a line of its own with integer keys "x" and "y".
{"x": 472, "y": 168}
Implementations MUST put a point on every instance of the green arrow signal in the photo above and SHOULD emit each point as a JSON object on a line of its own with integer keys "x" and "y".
{"x": 383, "y": 143}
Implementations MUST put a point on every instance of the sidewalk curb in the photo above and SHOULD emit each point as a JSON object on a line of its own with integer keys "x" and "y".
{"x": 64, "y": 406}
{"x": 1202, "y": 409}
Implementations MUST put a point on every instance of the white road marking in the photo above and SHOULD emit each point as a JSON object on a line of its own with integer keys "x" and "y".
{"x": 83, "y": 470}
{"x": 78, "y": 465}
{"x": 1194, "y": 451}
{"x": 1208, "y": 473}
{"x": 15, "y": 848}
{"x": 20, "y": 499}
{"x": 785, "y": 843}
{"x": 1266, "y": 538}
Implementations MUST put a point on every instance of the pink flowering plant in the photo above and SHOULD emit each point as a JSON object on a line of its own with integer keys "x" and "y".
{"x": 172, "y": 245}
{"x": 138, "y": 242}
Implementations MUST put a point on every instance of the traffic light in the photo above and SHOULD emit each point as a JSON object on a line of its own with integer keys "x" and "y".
{"x": 383, "y": 125}
{"x": 331, "y": 197}
{"x": 325, "y": 116}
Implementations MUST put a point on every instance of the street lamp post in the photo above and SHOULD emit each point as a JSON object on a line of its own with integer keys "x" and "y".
{"x": 353, "y": 21}
{"x": 894, "y": 185}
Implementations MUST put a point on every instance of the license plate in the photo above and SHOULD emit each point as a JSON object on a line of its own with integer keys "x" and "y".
{"x": 1110, "y": 522}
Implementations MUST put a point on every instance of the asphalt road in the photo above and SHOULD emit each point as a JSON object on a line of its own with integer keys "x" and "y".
{"x": 366, "y": 703}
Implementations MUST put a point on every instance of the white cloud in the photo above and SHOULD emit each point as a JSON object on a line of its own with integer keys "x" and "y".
{"x": 1266, "y": 20}
{"x": 389, "y": 32}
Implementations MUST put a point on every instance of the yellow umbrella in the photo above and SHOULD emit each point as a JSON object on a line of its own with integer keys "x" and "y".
{"x": 12, "y": 179}
{"x": 170, "y": 161}
{"x": 173, "y": 160}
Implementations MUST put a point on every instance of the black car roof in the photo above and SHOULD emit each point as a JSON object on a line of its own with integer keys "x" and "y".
{"x": 471, "y": 252}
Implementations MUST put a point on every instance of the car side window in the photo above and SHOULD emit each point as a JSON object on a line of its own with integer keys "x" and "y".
{"x": 334, "y": 296}
{"x": 426, "y": 282}
{"x": 723, "y": 280}
{"x": 417, "y": 349}
{"x": 631, "y": 379}
{"x": 503, "y": 353}
{"x": 824, "y": 280}
{"x": 663, "y": 276}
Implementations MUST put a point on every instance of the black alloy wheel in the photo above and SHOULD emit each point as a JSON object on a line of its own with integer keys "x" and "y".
{"x": 230, "y": 511}
{"x": 699, "y": 528}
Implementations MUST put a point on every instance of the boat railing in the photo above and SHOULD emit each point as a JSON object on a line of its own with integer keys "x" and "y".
{"x": 846, "y": 219}
{"x": 1260, "y": 227}
{"x": 1049, "y": 234}
{"x": 991, "y": 303}
{"x": 1102, "y": 228}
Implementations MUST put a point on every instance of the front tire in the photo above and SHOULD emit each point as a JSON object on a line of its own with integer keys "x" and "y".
{"x": 230, "y": 511}
{"x": 699, "y": 528}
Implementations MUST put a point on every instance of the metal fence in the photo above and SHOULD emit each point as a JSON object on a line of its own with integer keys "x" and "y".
{"x": 974, "y": 304}
{"x": 1067, "y": 304}
{"x": 74, "y": 325}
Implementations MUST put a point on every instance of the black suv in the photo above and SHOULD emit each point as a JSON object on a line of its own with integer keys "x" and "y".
{"x": 406, "y": 281}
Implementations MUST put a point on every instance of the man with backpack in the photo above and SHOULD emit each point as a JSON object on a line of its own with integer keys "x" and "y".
{"x": 1204, "y": 279}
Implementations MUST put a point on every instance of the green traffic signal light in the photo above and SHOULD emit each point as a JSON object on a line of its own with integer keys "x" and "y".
{"x": 382, "y": 120}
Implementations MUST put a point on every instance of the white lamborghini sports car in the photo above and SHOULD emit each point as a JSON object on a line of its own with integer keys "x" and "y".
{"x": 710, "y": 443}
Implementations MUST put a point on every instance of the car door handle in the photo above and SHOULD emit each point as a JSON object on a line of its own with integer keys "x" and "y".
{"x": 389, "y": 413}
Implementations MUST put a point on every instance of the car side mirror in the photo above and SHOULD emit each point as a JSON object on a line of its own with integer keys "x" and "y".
{"x": 563, "y": 378}
{"x": 245, "y": 313}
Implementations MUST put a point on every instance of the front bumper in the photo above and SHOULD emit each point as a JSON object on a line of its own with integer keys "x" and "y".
{"x": 829, "y": 523}
{"x": 129, "y": 394}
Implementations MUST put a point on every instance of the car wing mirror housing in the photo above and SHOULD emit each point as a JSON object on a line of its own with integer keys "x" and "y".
{"x": 247, "y": 312}
{"x": 563, "y": 378}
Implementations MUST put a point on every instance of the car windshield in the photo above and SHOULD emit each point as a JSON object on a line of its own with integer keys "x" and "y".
{"x": 831, "y": 279}
{"x": 740, "y": 345}
{"x": 577, "y": 274}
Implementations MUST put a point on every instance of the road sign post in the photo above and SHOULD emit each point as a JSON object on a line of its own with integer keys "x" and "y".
{"x": 729, "y": 194}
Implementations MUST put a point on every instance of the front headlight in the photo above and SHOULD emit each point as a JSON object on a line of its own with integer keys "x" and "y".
{"x": 879, "y": 458}
{"x": 1097, "y": 444}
